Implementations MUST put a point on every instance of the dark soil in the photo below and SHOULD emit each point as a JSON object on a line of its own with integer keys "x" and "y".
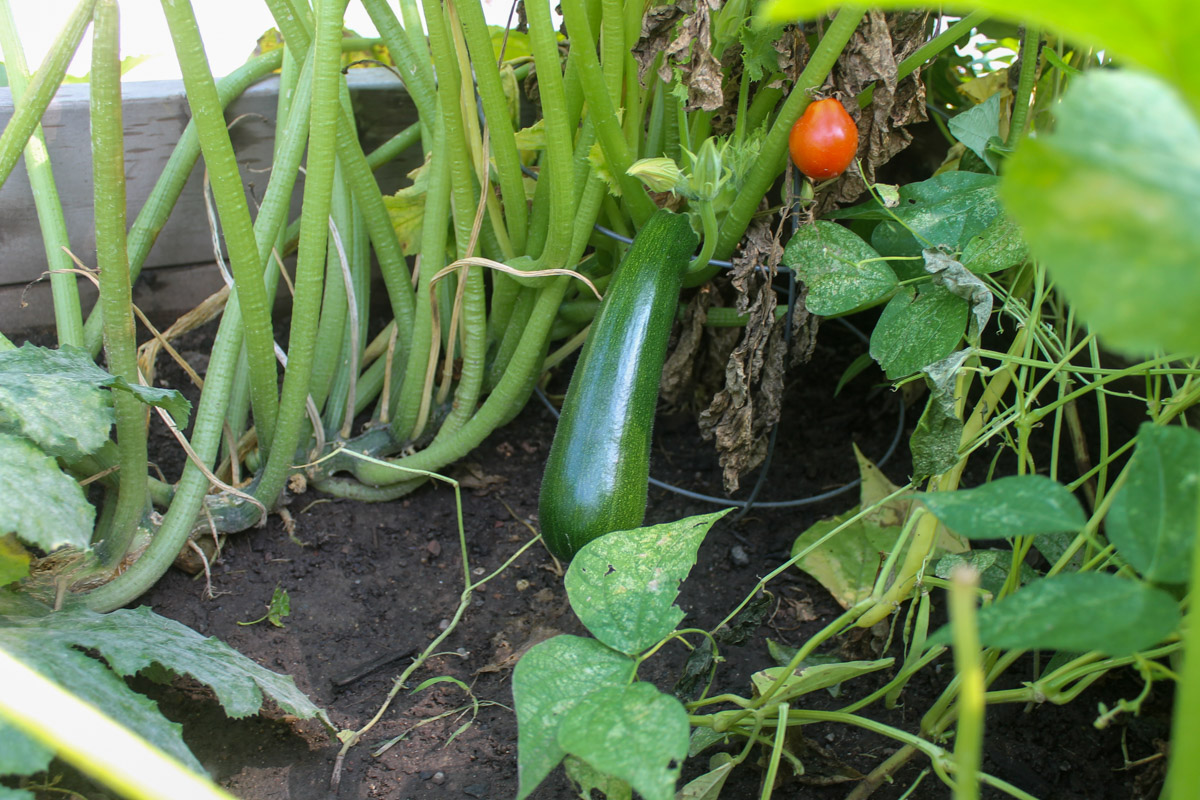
{"x": 366, "y": 581}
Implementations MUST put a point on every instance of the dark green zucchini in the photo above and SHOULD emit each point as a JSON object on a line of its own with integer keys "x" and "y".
{"x": 595, "y": 478}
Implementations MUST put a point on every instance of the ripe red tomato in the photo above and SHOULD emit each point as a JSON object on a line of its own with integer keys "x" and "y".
{"x": 824, "y": 140}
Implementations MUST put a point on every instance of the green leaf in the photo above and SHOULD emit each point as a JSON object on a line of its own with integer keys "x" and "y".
{"x": 812, "y": 678}
{"x": 53, "y": 397}
{"x": 992, "y": 566}
{"x": 1108, "y": 201}
{"x": 5, "y": 792}
{"x": 1152, "y": 521}
{"x": 958, "y": 281}
{"x": 1159, "y": 36}
{"x": 20, "y": 755}
{"x": 945, "y": 211}
{"x": 848, "y": 563}
{"x": 635, "y": 733}
{"x": 91, "y": 681}
{"x": 14, "y": 560}
{"x": 1020, "y": 505}
{"x": 587, "y": 778}
{"x": 549, "y": 680}
{"x": 998, "y": 247}
{"x": 65, "y": 417}
{"x": 976, "y": 126}
{"x": 938, "y": 434}
{"x": 623, "y": 585}
{"x": 133, "y": 639}
{"x": 842, "y": 271}
{"x": 708, "y": 786}
{"x": 42, "y": 505}
{"x": 918, "y": 329}
{"x": 1122, "y": 616}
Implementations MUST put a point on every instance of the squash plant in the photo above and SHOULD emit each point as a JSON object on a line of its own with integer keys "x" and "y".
{"x": 470, "y": 320}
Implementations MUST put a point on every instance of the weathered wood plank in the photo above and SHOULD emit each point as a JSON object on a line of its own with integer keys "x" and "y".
{"x": 155, "y": 114}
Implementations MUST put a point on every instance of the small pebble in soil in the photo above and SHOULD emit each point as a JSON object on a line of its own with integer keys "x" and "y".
{"x": 738, "y": 554}
{"x": 426, "y": 774}
{"x": 475, "y": 790}
{"x": 439, "y": 777}
{"x": 522, "y": 585}
{"x": 445, "y": 623}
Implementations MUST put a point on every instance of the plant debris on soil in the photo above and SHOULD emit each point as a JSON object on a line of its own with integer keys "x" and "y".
{"x": 371, "y": 585}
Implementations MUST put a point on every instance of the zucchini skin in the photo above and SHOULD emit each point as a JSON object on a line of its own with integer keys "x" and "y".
{"x": 595, "y": 480}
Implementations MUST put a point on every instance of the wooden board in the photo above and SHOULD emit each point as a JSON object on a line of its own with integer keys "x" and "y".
{"x": 155, "y": 114}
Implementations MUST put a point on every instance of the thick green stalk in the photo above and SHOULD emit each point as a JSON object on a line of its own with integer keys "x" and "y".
{"x": 332, "y": 325}
{"x": 68, "y": 318}
{"x": 412, "y": 62}
{"x": 120, "y": 342}
{"x": 1030, "y": 50}
{"x": 28, "y": 114}
{"x": 226, "y": 182}
{"x": 766, "y": 167}
{"x": 310, "y": 264}
{"x": 501, "y": 144}
{"x": 433, "y": 240}
{"x": 556, "y": 164}
{"x": 508, "y": 394}
{"x": 394, "y": 146}
{"x": 157, "y": 208}
{"x": 601, "y": 111}
{"x": 366, "y": 191}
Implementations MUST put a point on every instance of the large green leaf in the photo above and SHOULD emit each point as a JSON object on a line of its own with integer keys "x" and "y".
{"x": 1152, "y": 521}
{"x": 945, "y": 211}
{"x": 842, "y": 271}
{"x": 623, "y": 585}
{"x": 1079, "y": 612}
{"x": 5, "y": 792}
{"x": 550, "y": 680}
{"x": 1020, "y": 505}
{"x": 54, "y": 397}
{"x": 1159, "y": 35}
{"x": 1109, "y": 202}
{"x": 918, "y": 329}
{"x": 999, "y": 246}
{"x": 935, "y": 440}
{"x": 132, "y": 639}
{"x": 977, "y": 126}
{"x": 91, "y": 681}
{"x": 20, "y": 755}
{"x": 847, "y": 564}
{"x": 42, "y": 505}
{"x": 635, "y": 733}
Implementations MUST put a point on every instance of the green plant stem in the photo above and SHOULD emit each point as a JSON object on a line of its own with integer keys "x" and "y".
{"x": 968, "y": 741}
{"x": 1183, "y": 771}
{"x": 68, "y": 318}
{"x": 499, "y": 404}
{"x": 501, "y": 144}
{"x": 556, "y": 163}
{"x": 157, "y": 208}
{"x": 412, "y": 64}
{"x": 120, "y": 344}
{"x": 226, "y": 182}
{"x": 767, "y": 167}
{"x": 1030, "y": 49}
{"x": 394, "y": 147}
{"x": 601, "y": 112}
{"x": 311, "y": 257}
{"x": 28, "y": 113}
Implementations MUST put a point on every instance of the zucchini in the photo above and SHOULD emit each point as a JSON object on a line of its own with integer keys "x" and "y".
{"x": 595, "y": 480}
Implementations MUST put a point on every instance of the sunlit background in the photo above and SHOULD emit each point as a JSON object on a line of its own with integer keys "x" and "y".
{"x": 229, "y": 28}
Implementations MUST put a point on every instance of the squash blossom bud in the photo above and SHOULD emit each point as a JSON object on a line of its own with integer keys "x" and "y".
{"x": 659, "y": 174}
